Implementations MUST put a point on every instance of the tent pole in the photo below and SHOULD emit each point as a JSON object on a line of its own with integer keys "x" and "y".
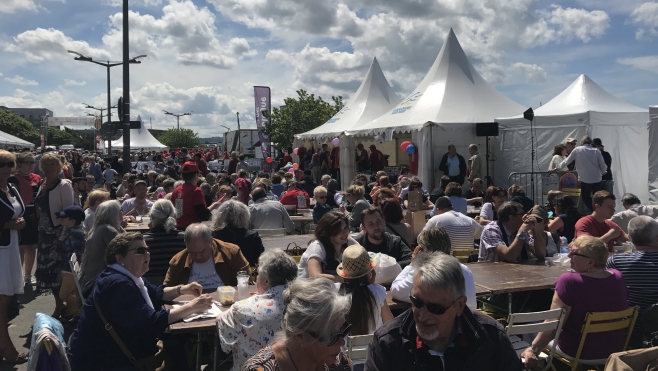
{"x": 432, "y": 181}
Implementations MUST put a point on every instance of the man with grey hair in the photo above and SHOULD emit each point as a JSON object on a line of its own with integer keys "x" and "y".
{"x": 268, "y": 214}
{"x": 640, "y": 269}
{"x": 440, "y": 332}
{"x": 590, "y": 166}
{"x": 633, "y": 207}
{"x": 474, "y": 167}
{"x": 208, "y": 261}
{"x": 247, "y": 327}
{"x": 325, "y": 179}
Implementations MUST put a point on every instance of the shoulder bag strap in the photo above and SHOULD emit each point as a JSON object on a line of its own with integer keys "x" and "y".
{"x": 394, "y": 231}
{"x": 115, "y": 336}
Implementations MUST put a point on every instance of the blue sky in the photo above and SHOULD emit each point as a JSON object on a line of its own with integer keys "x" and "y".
{"x": 206, "y": 55}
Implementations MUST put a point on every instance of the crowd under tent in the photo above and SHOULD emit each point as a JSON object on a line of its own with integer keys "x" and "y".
{"x": 443, "y": 109}
{"x": 374, "y": 97}
{"x": 9, "y": 141}
{"x": 653, "y": 154}
{"x": 140, "y": 139}
{"x": 583, "y": 108}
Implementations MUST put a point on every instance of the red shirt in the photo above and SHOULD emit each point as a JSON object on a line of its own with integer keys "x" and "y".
{"x": 589, "y": 225}
{"x": 376, "y": 160}
{"x": 335, "y": 155}
{"x": 184, "y": 198}
{"x": 203, "y": 168}
{"x": 293, "y": 198}
{"x": 27, "y": 186}
{"x": 287, "y": 158}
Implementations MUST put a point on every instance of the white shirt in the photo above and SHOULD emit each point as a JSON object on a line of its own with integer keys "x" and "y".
{"x": 401, "y": 287}
{"x": 89, "y": 219}
{"x": 130, "y": 204}
{"x": 555, "y": 161}
{"x": 461, "y": 229}
{"x": 316, "y": 250}
{"x": 487, "y": 211}
{"x": 206, "y": 275}
{"x": 589, "y": 163}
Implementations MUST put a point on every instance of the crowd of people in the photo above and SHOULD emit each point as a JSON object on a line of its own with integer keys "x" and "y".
{"x": 203, "y": 231}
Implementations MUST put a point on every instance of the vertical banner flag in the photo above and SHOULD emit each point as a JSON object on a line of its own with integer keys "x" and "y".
{"x": 263, "y": 103}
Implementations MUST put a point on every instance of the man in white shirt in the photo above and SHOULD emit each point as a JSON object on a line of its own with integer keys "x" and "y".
{"x": 633, "y": 207}
{"x": 590, "y": 166}
{"x": 431, "y": 240}
{"x": 139, "y": 205}
{"x": 461, "y": 229}
{"x": 268, "y": 214}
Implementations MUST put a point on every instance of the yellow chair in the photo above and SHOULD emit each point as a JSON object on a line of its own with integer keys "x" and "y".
{"x": 463, "y": 254}
{"x": 596, "y": 322}
{"x": 572, "y": 192}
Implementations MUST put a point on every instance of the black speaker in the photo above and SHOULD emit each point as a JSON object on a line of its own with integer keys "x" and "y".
{"x": 486, "y": 129}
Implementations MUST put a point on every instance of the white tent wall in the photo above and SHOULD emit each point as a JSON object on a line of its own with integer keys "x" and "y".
{"x": 346, "y": 158}
{"x": 653, "y": 155}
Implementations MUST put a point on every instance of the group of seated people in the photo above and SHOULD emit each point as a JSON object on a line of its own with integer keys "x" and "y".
{"x": 331, "y": 292}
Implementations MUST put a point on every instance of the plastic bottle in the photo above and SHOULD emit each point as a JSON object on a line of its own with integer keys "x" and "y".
{"x": 564, "y": 246}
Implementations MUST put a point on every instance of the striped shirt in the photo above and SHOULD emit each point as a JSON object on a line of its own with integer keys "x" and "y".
{"x": 162, "y": 247}
{"x": 461, "y": 229}
{"x": 640, "y": 270}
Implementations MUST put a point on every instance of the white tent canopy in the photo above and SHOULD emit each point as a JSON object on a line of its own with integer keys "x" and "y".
{"x": 583, "y": 108}
{"x": 374, "y": 97}
{"x": 8, "y": 140}
{"x": 653, "y": 154}
{"x": 452, "y": 96}
{"x": 140, "y": 138}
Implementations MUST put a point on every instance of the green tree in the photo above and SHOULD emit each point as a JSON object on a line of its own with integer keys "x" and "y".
{"x": 175, "y": 138}
{"x": 298, "y": 116}
{"x": 17, "y": 126}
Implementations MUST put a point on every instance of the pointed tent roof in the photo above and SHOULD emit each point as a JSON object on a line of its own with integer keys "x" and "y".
{"x": 140, "y": 138}
{"x": 373, "y": 98}
{"x": 451, "y": 92}
{"x": 10, "y": 140}
{"x": 584, "y": 95}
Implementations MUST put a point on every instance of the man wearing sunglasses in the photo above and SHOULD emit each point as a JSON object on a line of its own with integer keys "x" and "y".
{"x": 440, "y": 332}
{"x": 508, "y": 239}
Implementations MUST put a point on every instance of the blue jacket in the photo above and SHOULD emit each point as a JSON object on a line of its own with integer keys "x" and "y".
{"x": 97, "y": 172}
{"x": 122, "y": 304}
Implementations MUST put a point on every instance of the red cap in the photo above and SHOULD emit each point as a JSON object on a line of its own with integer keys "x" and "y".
{"x": 190, "y": 167}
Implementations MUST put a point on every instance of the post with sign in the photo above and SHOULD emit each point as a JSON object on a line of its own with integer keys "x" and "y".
{"x": 126, "y": 90}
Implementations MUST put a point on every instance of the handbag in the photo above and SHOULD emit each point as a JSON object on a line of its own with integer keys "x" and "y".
{"x": 156, "y": 362}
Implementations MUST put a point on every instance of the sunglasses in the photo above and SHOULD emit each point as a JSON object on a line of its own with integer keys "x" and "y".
{"x": 344, "y": 331}
{"x": 140, "y": 250}
{"x": 584, "y": 256}
{"x": 9, "y": 163}
{"x": 432, "y": 308}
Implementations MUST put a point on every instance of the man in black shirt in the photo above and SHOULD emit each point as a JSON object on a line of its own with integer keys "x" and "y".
{"x": 440, "y": 190}
{"x": 377, "y": 240}
{"x": 475, "y": 195}
{"x": 606, "y": 180}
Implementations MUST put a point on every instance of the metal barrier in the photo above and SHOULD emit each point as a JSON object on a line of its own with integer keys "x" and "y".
{"x": 543, "y": 182}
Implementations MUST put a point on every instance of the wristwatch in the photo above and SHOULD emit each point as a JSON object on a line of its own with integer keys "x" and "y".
{"x": 535, "y": 350}
{"x": 521, "y": 236}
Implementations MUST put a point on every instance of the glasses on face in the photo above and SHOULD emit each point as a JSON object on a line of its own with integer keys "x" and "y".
{"x": 575, "y": 253}
{"x": 140, "y": 250}
{"x": 321, "y": 197}
{"x": 432, "y": 308}
{"x": 344, "y": 331}
{"x": 8, "y": 163}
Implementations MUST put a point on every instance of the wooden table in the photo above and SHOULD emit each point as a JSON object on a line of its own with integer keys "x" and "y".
{"x": 143, "y": 227}
{"x": 281, "y": 242}
{"x": 303, "y": 219}
{"x": 500, "y": 278}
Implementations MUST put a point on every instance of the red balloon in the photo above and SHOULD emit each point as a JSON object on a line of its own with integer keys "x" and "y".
{"x": 269, "y": 160}
{"x": 403, "y": 145}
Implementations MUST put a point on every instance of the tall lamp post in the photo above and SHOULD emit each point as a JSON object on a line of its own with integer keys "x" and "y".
{"x": 95, "y": 128}
{"x": 108, "y": 65}
{"x": 178, "y": 116}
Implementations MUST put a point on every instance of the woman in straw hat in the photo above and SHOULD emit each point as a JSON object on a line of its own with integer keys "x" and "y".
{"x": 369, "y": 309}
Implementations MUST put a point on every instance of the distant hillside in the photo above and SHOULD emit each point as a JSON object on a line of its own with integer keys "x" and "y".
{"x": 212, "y": 140}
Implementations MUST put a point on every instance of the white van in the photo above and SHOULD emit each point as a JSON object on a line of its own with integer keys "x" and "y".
{"x": 67, "y": 147}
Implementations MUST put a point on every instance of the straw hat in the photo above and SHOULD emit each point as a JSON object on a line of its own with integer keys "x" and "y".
{"x": 356, "y": 262}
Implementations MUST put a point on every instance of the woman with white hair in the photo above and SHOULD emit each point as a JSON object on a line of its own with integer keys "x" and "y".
{"x": 249, "y": 325}
{"x": 163, "y": 240}
{"x": 314, "y": 328}
{"x": 107, "y": 225}
{"x": 231, "y": 224}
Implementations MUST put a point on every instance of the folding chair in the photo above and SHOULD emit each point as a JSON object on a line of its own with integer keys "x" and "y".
{"x": 596, "y": 322}
{"x": 75, "y": 270}
{"x": 530, "y": 323}
{"x": 360, "y": 341}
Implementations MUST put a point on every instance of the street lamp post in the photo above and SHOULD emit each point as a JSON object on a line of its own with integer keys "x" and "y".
{"x": 178, "y": 116}
{"x": 108, "y": 120}
{"x": 108, "y": 65}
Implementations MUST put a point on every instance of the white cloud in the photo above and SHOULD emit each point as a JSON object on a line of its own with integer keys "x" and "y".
{"x": 22, "y": 98}
{"x": 46, "y": 44}
{"x": 146, "y": 3}
{"x": 577, "y": 23}
{"x": 648, "y": 63}
{"x": 20, "y": 80}
{"x": 13, "y": 6}
{"x": 69, "y": 82}
{"x": 646, "y": 18}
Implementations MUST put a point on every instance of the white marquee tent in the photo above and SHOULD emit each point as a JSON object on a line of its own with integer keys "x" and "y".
{"x": 140, "y": 138}
{"x": 583, "y": 108}
{"x": 374, "y": 97}
{"x": 10, "y": 141}
{"x": 653, "y": 154}
{"x": 443, "y": 110}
